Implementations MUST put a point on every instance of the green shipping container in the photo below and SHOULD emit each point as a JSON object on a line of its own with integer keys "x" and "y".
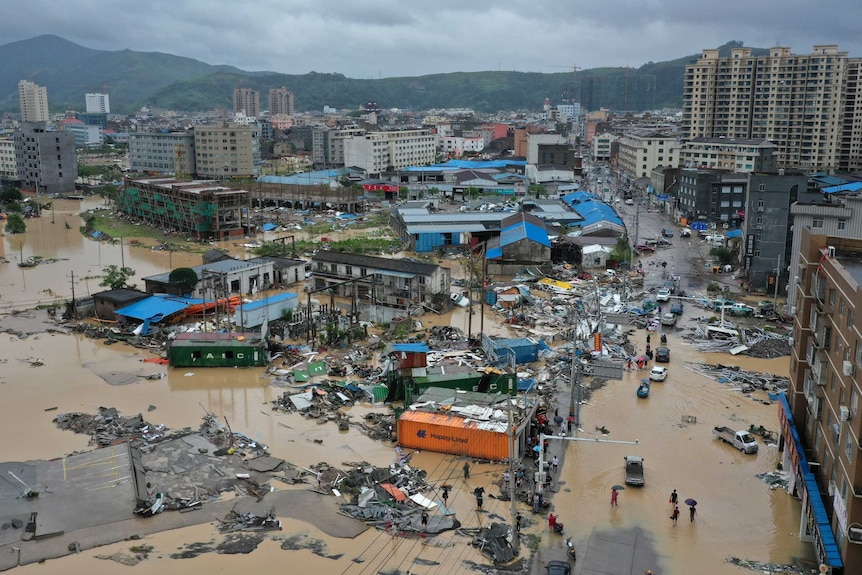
{"x": 217, "y": 350}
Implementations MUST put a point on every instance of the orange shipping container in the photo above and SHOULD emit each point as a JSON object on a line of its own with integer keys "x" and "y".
{"x": 450, "y": 434}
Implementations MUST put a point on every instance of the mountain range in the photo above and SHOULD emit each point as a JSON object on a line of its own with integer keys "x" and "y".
{"x": 154, "y": 79}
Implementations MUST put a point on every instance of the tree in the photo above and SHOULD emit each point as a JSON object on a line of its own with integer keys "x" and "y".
{"x": 10, "y": 194}
{"x": 539, "y": 190}
{"x": 403, "y": 192}
{"x": 183, "y": 280}
{"x": 722, "y": 256}
{"x": 15, "y": 224}
{"x": 117, "y": 278}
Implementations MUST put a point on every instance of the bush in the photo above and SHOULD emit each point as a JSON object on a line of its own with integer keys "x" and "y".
{"x": 713, "y": 286}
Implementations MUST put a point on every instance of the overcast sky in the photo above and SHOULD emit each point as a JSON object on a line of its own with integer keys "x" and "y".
{"x": 385, "y": 38}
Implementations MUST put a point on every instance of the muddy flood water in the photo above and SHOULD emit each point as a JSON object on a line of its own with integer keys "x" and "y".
{"x": 738, "y": 514}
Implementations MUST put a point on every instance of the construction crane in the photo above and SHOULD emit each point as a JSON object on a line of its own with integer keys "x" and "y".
{"x": 574, "y": 68}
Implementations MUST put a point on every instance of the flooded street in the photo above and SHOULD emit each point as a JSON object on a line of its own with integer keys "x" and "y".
{"x": 738, "y": 514}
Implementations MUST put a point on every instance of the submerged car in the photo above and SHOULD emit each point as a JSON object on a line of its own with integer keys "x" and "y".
{"x": 658, "y": 373}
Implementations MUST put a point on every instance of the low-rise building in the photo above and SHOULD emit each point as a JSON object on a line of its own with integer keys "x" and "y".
{"x": 162, "y": 152}
{"x": 219, "y": 279}
{"x": 732, "y": 154}
{"x": 523, "y": 242}
{"x": 641, "y": 150}
{"x": 379, "y": 152}
{"x": 601, "y": 145}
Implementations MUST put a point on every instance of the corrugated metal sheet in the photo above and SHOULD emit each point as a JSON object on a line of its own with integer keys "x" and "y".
{"x": 411, "y": 347}
{"x": 455, "y": 435}
{"x": 156, "y": 305}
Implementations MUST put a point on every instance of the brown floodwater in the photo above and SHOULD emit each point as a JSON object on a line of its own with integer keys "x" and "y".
{"x": 738, "y": 514}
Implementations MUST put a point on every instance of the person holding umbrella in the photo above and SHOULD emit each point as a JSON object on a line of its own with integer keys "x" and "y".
{"x": 691, "y": 509}
{"x": 615, "y": 492}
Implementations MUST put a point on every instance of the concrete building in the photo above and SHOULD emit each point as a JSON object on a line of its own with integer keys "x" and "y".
{"x": 220, "y": 279}
{"x": 455, "y": 146}
{"x": 641, "y": 150}
{"x": 399, "y": 284}
{"x": 831, "y": 214}
{"x": 327, "y": 144}
{"x": 808, "y": 105}
{"x": 379, "y": 152}
{"x": 46, "y": 160}
{"x": 821, "y": 423}
{"x": 226, "y": 150}
{"x": 281, "y": 102}
{"x": 201, "y": 209}
{"x": 8, "y": 165}
{"x": 548, "y": 149}
{"x": 735, "y": 155}
{"x": 97, "y": 103}
{"x": 569, "y": 112}
{"x": 766, "y": 231}
{"x": 601, "y": 146}
{"x": 33, "y": 100}
{"x": 523, "y": 242}
{"x": 163, "y": 152}
{"x": 85, "y": 136}
{"x": 246, "y": 101}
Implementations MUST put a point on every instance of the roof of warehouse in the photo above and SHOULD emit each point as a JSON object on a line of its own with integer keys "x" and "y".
{"x": 251, "y": 306}
{"x": 591, "y": 209}
{"x": 521, "y": 226}
{"x": 307, "y": 178}
{"x": 358, "y": 260}
{"x": 449, "y": 420}
{"x": 157, "y": 305}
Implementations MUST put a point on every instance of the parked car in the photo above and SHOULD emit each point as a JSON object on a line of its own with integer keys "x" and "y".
{"x": 644, "y": 248}
{"x": 662, "y": 354}
{"x": 685, "y": 233}
{"x": 666, "y": 233}
{"x": 740, "y": 309}
{"x": 658, "y": 373}
{"x": 676, "y": 308}
{"x": 668, "y": 319}
{"x": 630, "y": 202}
{"x": 558, "y": 568}
{"x": 663, "y": 294}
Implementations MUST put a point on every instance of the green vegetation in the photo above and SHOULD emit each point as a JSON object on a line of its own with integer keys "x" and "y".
{"x": 15, "y": 224}
{"x": 722, "y": 256}
{"x": 621, "y": 251}
{"x": 10, "y": 194}
{"x": 118, "y": 278}
{"x": 101, "y": 220}
{"x": 358, "y": 245}
{"x": 183, "y": 280}
{"x": 712, "y": 286}
{"x": 539, "y": 190}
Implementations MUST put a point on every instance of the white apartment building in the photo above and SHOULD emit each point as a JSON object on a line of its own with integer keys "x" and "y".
{"x": 456, "y": 145}
{"x": 736, "y": 155}
{"x": 535, "y": 141}
{"x": 378, "y": 152}
{"x": 808, "y": 105}
{"x": 602, "y": 147}
{"x": 34, "y": 102}
{"x": 8, "y": 166}
{"x": 97, "y": 103}
{"x": 162, "y": 152}
{"x": 643, "y": 150}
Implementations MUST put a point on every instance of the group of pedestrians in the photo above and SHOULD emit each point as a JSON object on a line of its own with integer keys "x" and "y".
{"x": 674, "y": 501}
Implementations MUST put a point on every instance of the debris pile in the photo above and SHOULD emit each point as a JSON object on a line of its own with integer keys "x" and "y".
{"x": 109, "y": 428}
{"x": 753, "y": 342}
{"x": 741, "y": 379}
{"x": 248, "y": 521}
{"x": 775, "y": 479}
{"x": 767, "y": 568}
{"x": 229, "y": 441}
{"x": 493, "y": 542}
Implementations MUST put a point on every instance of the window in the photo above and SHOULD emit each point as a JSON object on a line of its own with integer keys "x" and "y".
{"x": 817, "y": 223}
{"x": 842, "y": 224}
{"x": 832, "y": 298}
{"x": 348, "y": 270}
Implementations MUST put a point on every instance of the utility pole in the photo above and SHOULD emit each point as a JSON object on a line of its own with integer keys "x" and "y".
{"x": 516, "y": 538}
{"x": 74, "y": 305}
{"x": 777, "y": 271}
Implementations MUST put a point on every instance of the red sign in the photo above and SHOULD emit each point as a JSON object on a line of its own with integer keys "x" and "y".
{"x": 597, "y": 342}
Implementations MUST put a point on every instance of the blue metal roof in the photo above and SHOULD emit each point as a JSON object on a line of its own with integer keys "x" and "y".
{"x": 268, "y": 301}
{"x": 591, "y": 209}
{"x": 849, "y": 187}
{"x": 410, "y": 347}
{"x": 157, "y": 307}
{"x": 467, "y": 165}
{"x": 496, "y": 252}
{"x": 524, "y": 229}
{"x": 828, "y": 180}
{"x": 268, "y": 227}
{"x": 733, "y": 234}
{"x": 306, "y": 179}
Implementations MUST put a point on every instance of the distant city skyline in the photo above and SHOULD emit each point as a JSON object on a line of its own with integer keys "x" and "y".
{"x": 385, "y": 38}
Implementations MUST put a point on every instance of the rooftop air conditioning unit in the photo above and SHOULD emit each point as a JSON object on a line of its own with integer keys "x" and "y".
{"x": 847, "y": 368}
{"x": 855, "y": 534}
{"x": 844, "y": 413}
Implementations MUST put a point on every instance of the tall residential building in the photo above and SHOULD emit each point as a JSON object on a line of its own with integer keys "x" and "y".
{"x": 728, "y": 154}
{"x": 46, "y": 159}
{"x": 162, "y": 152}
{"x": 246, "y": 101}
{"x": 34, "y": 102}
{"x": 808, "y": 105}
{"x": 280, "y": 102}
{"x": 820, "y": 417}
{"x": 98, "y": 103}
{"x": 226, "y": 150}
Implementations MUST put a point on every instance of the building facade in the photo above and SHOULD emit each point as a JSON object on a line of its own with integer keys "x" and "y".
{"x": 806, "y": 104}
{"x": 162, "y": 152}
{"x": 246, "y": 101}
{"x": 728, "y": 154}
{"x": 823, "y": 401}
{"x": 226, "y": 150}
{"x": 642, "y": 150}
{"x": 379, "y": 152}
{"x": 201, "y": 209}
{"x": 97, "y": 103}
{"x": 601, "y": 145}
{"x": 33, "y": 100}
{"x": 46, "y": 160}
{"x": 767, "y": 229}
{"x": 835, "y": 216}
{"x": 281, "y": 102}
{"x": 8, "y": 164}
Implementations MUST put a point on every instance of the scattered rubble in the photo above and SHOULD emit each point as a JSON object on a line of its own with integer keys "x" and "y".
{"x": 767, "y": 568}
{"x": 775, "y": 479}
{"x": 236, "y": 521}
{"x": 741, "y": 379}
{"x": 754, "y": 342}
